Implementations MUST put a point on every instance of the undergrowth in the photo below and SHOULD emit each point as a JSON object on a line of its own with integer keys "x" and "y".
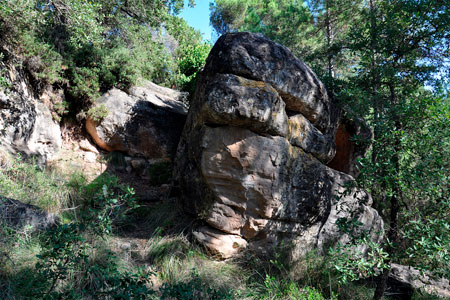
{"x": 108, "y": 246}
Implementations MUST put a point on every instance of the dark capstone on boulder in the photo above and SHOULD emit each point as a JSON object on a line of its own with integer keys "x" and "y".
{"x": 253, "y": 56}
{"x": 251, "y": 163}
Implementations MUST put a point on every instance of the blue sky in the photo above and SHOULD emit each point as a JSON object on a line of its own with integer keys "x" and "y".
{"x": 198, "y": 17}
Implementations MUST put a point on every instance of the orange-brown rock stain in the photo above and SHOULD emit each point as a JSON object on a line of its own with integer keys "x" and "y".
{"x": 344, "y": 149}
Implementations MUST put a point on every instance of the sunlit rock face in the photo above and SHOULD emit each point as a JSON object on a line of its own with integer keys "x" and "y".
{"x": 26, "y": 123}
{"x": 251, "y": 163}
{"x": 145, "y": 122}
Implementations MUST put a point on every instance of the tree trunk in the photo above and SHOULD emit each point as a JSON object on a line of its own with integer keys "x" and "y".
{"x": 330, "y": 40}
{"x": 394, "y": 200}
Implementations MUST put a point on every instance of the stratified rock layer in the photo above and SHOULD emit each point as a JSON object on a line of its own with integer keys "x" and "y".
{"x": 251, "y": 160}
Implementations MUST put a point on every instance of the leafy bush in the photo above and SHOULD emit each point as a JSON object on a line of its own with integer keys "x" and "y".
{"x": 64, "y": 251}
{"x": 190, "y": 63}
{"x": 66, "y": 255}
{"x": 353, "y": 265}
{"x": 98, "y": 112}
{"x": 88, "y": 47}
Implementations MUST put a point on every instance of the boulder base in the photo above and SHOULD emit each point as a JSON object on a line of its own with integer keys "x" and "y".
{"x": 410, "y": 279}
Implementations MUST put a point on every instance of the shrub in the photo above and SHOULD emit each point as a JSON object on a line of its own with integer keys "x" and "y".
{"x": 190, "y": 62}
{"x": 98, "y": 112}
{"x": 88, "y": 47}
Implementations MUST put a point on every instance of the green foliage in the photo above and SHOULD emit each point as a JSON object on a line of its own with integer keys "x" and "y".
{"x": 89, "y": 47}
{"x": 190, "y": 54}
{"x": 61, "y": 109}
{"x": 190, "y": 63}
{"x": 106, "y": 203}
{"x": 111, "y": 206}
{"x": 65, "y": 255}
{"x": 31, "y": 184}
{"x": 67, "y": 260}
{"x": 4, "y": 84}
{"x": 429, "y": 238}
{"x": 352, "y": 265}
{"x": 286, "y": 289}
{"x": 63, "y": 251}
{"x": 98, "y": 112}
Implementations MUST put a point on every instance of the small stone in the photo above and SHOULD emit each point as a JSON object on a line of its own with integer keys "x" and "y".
{"x": 138, "y": 164}
{"x": 124, "y": 245}
{"x": 219, "y": 243}
{"x": 86, "y": 146}
{"x": 164, "y": 188}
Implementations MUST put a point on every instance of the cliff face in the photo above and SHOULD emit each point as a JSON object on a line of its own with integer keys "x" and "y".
{"x": 26, "y": 122}
{"x": 251, "y": 160}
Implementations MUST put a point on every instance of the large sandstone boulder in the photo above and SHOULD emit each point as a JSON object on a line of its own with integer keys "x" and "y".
{"x": 146, "y": 122}
{"x": 251, "y": 160}
{"x": 26, "y": 123}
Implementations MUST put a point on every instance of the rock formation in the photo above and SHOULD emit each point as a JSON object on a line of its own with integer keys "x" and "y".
{"x": 26, "y": 123}
{"x": 405, "y": 279}
{"x": 18, "y": 215}
{"x": 146, "y": 122}
{"x": 251, "y": 160}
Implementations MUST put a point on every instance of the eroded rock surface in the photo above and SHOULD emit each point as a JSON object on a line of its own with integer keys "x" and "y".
{"x": 251, "y": 161}
{"x": 146, "y": 122}
{"x": 18, "y": 215}
{"x": 253, "y": 56}
{"x": 26, "y": 123}
{"x": 412, "y": 279}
